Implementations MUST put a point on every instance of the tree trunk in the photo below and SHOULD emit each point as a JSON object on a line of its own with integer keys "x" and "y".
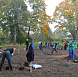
{"x": 15, "y": 35}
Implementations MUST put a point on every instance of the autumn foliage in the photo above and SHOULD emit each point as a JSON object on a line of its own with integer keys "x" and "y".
{"x": 66, "y": 16}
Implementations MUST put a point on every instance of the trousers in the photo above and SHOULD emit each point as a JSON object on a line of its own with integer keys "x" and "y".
{"x": 7, "y": 55}
{"x": 54, "y": 49}
{"x": 71, "y": 52}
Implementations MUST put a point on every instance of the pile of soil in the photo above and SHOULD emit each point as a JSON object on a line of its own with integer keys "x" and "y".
{"x": 52, "y": 65}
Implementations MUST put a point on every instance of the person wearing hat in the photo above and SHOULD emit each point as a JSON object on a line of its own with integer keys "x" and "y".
{"x": 7, "y": 54}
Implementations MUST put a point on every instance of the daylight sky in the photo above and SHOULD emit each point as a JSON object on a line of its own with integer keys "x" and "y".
{"x": 51, "y": 5}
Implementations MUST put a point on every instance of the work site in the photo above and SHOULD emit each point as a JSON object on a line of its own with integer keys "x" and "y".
{"x": 38, "y": 38}
{"x": 52, "y": 65}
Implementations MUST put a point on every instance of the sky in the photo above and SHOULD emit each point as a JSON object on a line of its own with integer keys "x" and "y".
{"x": 51, "y": 5}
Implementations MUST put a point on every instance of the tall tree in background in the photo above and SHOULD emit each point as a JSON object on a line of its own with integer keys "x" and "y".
{"x": 66, "y": 16}
{"x": 19, "y": 8}
{"x": 39, "y": 19}
{"x": 17, "y": 19}
{"x": 14, "y": 19}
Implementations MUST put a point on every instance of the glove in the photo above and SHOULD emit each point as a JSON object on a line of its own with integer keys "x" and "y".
{"x": 73, "y": 45}
{"x": 12, "y": 54}
{"x": 53, "y": 47}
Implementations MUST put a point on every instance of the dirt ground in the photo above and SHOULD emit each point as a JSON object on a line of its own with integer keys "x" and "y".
{"x": 52, "y": 65}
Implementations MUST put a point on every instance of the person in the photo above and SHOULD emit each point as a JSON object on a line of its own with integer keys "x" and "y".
{"x": 65, "y": 45}
{"x": 48, "y": 43}
{"x": 54, "y": 48}
{"x": 51, "y": 44}
{"x": 45, "y": 44}
{"x": 70, "y": 49}
{"x": 7, "y": 54}
{"x": 41, "y": 46}
{"x": 39, "y": 43}
{"x": 27, "y": 43}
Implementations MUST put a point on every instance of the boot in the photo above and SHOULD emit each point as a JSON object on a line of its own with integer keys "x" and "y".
{"x": 68, "y": 59}
{"x": 12, "y": 68}
{"x": 75, "y": 59}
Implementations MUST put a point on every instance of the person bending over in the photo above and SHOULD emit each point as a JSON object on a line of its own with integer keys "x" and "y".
{"x": 54, "y": 48}
{"x": 7, "y": 54}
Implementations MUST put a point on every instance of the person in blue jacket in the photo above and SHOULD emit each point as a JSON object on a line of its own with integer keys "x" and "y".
{"x": 45, "y": 44}
{"x": 71, "y": 49}
{"x": 54, "y": 48}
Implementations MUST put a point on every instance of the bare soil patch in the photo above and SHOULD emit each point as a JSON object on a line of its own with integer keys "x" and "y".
{"x": 52, "y": 65}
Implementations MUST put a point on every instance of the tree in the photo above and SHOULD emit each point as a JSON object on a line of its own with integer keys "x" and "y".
{"x": 39, "y": 19}
{"x": 14, "y": 19}
{"x": 65, "y": 16}
{"x": 17, "y": 19}
{"x": 74, "y": 1}
{"x": 4, "y": 4}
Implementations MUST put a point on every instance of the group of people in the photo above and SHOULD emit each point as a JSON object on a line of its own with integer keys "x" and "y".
{"x": 40, "y": 46}
{"x": 70, "y": 48}
{"x": 47, "y": 44}
{"x": 10, "y": 51}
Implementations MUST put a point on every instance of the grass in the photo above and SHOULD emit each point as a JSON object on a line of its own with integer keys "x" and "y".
{"x": 34, "y": 43}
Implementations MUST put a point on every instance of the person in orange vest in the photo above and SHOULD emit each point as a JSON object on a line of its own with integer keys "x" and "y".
{"x": 65, "y": 45}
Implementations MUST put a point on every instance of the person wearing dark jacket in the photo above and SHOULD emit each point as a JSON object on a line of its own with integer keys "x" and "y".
{"x": 30, "y": 53}
{"x": 54, "y": 48}
{"x": 27, "y": 43}
{"x": 41, "y": 46}
{"x": 45, "y": 44}
{"x": 7, "y": 54}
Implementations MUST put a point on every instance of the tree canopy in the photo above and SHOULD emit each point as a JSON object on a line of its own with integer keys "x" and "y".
{"x": 66, "y": 15}
{"x": 15, "y": 18}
